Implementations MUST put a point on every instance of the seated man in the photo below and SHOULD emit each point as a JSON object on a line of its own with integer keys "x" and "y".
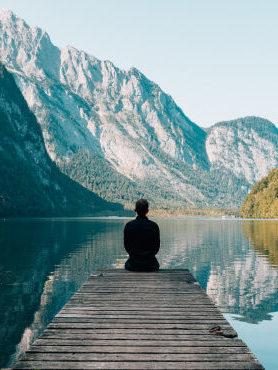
{"x": 141, "y": 240}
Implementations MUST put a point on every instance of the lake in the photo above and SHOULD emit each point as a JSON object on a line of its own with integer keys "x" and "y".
{"x": 44, "y": 261}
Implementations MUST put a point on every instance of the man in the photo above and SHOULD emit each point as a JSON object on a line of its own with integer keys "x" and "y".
{"x": 141, "y": 240}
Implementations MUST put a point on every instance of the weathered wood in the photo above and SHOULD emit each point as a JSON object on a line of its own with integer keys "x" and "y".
{"x": 159, "y": 287}
{"x": 138, "y": 319}
{"x": 118, "y": 307}
{"x": 150, "y": 307}
{"x": 62, "y": 356}
{"x": 138, "y": 300}
{"x": 56, "y": 347}
{"x": 129, "y": 311}
{"x": 139, "y": 325}
{"x": 181, "y": 316}
{"x": 159, "y": 332}
{"x": 161, "y": 295}
{"x": 139, "y": 341}
{"x": 124, "y": 320}
{"x": 139, "y": 365}
{"x": 143, "y": 334}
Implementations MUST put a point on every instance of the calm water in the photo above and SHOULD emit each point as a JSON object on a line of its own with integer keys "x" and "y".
{"x": 43, "y": 262}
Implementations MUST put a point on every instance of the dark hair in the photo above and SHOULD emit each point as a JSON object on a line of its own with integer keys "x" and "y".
{"x": 142, "y": 207}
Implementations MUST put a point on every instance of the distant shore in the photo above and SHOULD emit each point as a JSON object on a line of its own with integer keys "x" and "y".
{"x": 161, "y": 213}
{"x": 211, "y": 212}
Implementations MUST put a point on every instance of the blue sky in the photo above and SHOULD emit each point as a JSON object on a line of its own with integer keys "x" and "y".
{"x": 218, "y": 59}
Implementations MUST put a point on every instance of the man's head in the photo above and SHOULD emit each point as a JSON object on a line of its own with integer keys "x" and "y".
{"x": 142, "y": 207}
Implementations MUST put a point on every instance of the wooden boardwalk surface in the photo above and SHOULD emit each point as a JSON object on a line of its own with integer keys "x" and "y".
{"x": 125, "y": 320}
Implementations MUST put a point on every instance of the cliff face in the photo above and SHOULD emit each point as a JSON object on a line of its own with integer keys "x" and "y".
{"x": 118, "y": 134}
{"x": 246, "y": 146}
{"x": 30, "y": 183}
{"x": 262, "y": 201}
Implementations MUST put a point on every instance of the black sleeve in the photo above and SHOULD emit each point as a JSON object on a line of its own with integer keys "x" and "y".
{"x": 126, "y": 239}
{"x": 156, "y": 239}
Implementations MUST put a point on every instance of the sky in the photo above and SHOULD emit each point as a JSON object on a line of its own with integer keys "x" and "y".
{"x": 218, "y": 59}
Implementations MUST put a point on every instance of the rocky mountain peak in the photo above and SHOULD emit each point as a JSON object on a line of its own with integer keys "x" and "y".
{"x": 129, "y": 124}
{"x": 247, "y": 146}
{"x": 26, "y": 49}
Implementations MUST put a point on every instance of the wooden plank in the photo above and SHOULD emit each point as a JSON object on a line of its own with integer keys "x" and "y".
{"x": 144, "y": 311}
{"x": 150, "y": 308}
{"x": 152, "y": 297}
{"x": 147, "y": 307}
{"x": 137, "y": 315}
{"x": 190, "y": 340}
{"x": 122, "y": 320}
{"x": 139, "y": 365}
{"x": 163, "y": 302}
{"x": 142, "y": 285}
{"x": 144, "y": 295}
{"x": 98, "y": 357}
{"x": 126, "y": 330}
{"x": 138, "y": 302}
{"x": 158, "y": 349}
{"x": 135, "y": 291}
{"x": 154, "y": 285}
{"x": 147, "y": 281}
{"x": 141, "y": 319}
{"x": 142, "y": 290}
{"x": 138, "y": 325}
{"x": 126, "y": 335}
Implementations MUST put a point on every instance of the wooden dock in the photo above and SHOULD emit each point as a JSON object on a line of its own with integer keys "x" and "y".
{"x": 126, "y": 320}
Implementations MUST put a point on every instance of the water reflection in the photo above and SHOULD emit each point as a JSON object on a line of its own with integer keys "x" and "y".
{"x": 263, "y": 235}
{"x": 226, "y": 263}
{"x": 42, "y": 262}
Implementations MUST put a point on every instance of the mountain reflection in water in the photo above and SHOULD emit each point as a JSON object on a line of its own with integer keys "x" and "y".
{"x": 263, "y": 235}
{"x": 44, "y": 261}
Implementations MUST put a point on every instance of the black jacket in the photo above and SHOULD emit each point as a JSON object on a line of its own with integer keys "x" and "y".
{"x": 141, "y": 239}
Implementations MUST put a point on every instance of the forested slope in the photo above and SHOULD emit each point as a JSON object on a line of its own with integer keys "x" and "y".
{"x": 262, "y": 201}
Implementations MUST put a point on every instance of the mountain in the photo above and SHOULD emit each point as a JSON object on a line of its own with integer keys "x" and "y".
{"x": 262, "y": 201}
{"x": 116, "y": 132}
{"x": 246, "y": 146}
{"x": 30, "y": 183}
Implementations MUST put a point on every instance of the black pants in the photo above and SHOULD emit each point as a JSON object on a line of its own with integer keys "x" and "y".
{"x": 147, "y": 266}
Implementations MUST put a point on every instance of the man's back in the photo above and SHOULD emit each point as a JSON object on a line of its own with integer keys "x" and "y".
{"x": 141, "y": 237}
{"x": 142, "y": 242}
